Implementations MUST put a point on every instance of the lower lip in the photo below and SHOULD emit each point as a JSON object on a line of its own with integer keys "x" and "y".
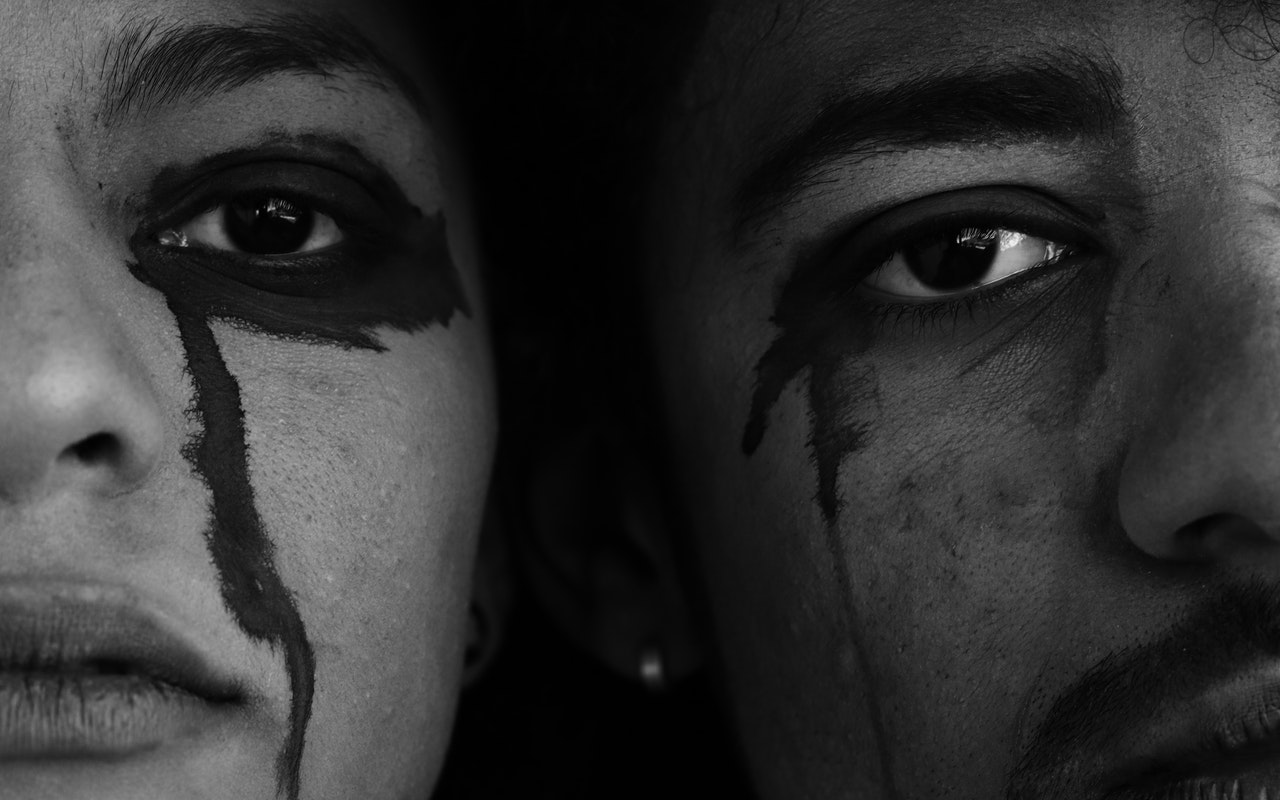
{"x": 63, "y": 714}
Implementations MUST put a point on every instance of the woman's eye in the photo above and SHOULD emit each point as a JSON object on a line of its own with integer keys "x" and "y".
{"x": 959, "y": 261}
{"x": 263, "y": 225}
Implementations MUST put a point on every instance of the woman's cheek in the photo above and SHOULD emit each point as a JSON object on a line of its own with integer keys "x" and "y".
{"x": 371, "y": 486}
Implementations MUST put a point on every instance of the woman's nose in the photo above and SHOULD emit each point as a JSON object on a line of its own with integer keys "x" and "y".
{"x": 76, "y": 410}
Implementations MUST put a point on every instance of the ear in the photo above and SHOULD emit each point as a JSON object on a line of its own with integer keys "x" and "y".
{"x": 598, "y": 556}
{"x": 490, "y": 598}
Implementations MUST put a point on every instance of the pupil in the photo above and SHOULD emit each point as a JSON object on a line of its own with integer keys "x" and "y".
{"x": 954, "y": 261}
{"x": 268, "y": 225}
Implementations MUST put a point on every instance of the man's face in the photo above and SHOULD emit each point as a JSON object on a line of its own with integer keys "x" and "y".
{"x": 246, "y": 418}
{"x": 968, "y": 317}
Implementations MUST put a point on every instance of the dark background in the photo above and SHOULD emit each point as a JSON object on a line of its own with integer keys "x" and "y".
{"x": 558, "y": 104}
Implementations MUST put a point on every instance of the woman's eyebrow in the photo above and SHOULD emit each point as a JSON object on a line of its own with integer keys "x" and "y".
{"x": 1055, "y": 97}
{"x": 151, "y": 64}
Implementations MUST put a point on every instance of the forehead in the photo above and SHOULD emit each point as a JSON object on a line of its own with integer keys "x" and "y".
{"x": 124, "y": 87}
{"x": 69, "y": 52}
{"x": 827, "y": 43}
{"x": 764, "y": 72}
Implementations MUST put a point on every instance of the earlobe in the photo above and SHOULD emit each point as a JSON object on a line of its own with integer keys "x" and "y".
{"x": 598, "y": 557}
{"x": 490, "y": 600}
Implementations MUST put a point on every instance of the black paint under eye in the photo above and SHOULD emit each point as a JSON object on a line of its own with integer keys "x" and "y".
{"x": 412, "y": 284}
{"x": 268, "y": 225}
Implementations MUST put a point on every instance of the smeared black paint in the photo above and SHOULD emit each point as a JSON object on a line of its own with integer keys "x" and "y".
{"x": 818, "y": 332}
{"x": 410, "y": 286}
{"x": 387, "y": 294}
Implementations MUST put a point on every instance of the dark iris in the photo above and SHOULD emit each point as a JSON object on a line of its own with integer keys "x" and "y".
{"x": 953, "y": 261}
{"x": 268, "y": 225}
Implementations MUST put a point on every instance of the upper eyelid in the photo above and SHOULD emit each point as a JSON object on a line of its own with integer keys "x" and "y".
{"x": 1015, "y": 207}
{"x": 209, "y": 191}
{"x": 174, "y": 185}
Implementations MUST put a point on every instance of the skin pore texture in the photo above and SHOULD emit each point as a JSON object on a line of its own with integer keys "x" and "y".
{"x": 1020, "y": 540}
{"x": 281, "y": 457}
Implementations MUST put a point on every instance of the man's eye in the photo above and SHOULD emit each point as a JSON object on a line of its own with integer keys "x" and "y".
{"x": 959, "y": 261}
{"x": 260, "y": 225}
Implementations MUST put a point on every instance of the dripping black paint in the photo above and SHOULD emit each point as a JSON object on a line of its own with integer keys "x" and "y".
{"x": 816, "y": 332}
{"x": 419, "y": 287}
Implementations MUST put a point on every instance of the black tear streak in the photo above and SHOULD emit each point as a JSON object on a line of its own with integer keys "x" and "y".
{"x": 871, "y": 691}
{"x": 244, "y": 556}
{"x": 818, "y": 332}
{"x": 418, "y": 286}
{"x": 833, "y": 437}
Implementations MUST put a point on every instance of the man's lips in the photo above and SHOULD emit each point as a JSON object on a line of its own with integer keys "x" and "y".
{"x": 1193, "y": 713}
{"x": 1226, "y": 740}
{"x": 88, "y": 670}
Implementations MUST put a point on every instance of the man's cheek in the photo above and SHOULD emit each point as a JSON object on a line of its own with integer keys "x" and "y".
{"x": 955, "y": 572}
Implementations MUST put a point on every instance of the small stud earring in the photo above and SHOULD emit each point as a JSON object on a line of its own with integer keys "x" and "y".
{"x": 653, "y": 668}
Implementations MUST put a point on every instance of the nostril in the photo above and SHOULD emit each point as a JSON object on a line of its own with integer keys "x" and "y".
{"x": 100, "y": 448}
{"x": 1216, "y": 535}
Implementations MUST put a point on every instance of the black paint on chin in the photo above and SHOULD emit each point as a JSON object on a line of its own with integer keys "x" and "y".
{"x": 419, "y": 287}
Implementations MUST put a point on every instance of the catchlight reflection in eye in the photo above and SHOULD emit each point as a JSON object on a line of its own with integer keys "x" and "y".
{"x": 960, "y": 261}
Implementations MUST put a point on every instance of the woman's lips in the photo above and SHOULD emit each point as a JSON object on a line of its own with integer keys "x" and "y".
{"x": 89, "y": 670}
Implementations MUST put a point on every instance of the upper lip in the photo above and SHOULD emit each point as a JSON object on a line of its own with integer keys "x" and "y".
{"x": 58, "y": 627}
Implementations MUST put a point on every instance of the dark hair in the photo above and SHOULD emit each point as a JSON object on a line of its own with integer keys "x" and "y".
{"x": 559, "y": 104}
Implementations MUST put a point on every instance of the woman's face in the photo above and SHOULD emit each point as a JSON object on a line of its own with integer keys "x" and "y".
{"x": 968, "y": 318}
{"x": 247, "y": 416}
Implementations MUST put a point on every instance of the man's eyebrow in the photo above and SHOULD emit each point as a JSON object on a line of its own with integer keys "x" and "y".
{"x": 1056, "y": 97}
{"x": 150, "y": 64}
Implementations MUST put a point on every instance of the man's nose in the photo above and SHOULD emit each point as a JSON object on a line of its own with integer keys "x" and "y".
{"x": 77, "y": 412}
{"x": 1201, "y": 478}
